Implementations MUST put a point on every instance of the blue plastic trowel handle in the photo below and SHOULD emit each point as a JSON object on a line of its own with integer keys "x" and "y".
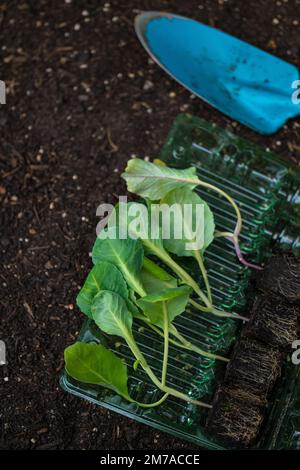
{"x": 244, "y": 82}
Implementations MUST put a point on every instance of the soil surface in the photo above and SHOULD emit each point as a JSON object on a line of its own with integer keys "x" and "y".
{"x": 82, "y": 97}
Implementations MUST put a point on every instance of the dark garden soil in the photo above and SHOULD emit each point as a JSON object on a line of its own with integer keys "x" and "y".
{"x": 82, "y": 98}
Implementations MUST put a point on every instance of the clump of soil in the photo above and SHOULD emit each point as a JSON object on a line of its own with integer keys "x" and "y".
{"x": 281, "y": 276}
{"x": 233, "y": 419}
{"x": 273, "y": 321}
{"x": 254, "y": 367}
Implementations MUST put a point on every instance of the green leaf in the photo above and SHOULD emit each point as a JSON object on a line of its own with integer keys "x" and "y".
{"x": 155, "y": 278}
{"x": 110, "y": 313}
{"x": 103, "y": 276}
{"x": 155, "y": 181}
{"x": 135, "y": 220}
{"x": 194, "y": 220}
{"x": 126, "y": 254}
{"x": 94, "y": 364}
{"x": 176, "y": 298}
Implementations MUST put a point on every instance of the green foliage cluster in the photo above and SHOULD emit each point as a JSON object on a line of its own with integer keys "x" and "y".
{"x": 128, "y": 283}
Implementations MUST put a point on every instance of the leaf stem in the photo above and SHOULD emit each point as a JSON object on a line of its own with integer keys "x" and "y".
{"x": 238, "y": 226}
{"x": 171, "y": 391}
{"x": 218, "y": 313}
{"x": 184, "y": 344}
{"x": 199, "y": 259}
{"x": 151, "y": 405}
{"x": 166, "y": 344}
{"x": 193, "y": 347}
{"x": 184, "y": 276}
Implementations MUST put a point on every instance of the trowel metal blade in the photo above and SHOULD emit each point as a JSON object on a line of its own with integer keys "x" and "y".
{"x": 244, "y": 82}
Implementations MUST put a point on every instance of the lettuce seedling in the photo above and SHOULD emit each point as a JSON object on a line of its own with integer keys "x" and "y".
{"x": 154, "y": 182}
{"x": 94, "y": 364}
{"x": 111, "y": 314}
{"x": 124, "y": 285}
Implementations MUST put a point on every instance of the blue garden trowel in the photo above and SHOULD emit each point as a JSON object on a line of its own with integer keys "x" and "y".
{"x": 242, "y": 81}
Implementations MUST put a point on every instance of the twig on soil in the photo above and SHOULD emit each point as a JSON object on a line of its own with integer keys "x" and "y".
{"x": 28, "y": 310}
{"x": 114, "y": 147}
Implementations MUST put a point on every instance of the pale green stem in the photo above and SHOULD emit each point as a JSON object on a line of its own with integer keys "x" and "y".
{"x": 184, "y": 276}
{"x": 166, "y": 344}
{"x": 139, "y": 290}
{"x": 171, "y": 391}
{"x": 238, "y": 227}
{"x": 218, "y": 313}
{"x": 151, "y": 405}
{"x": 197, "y": 181}
{"x": 219, "y": 234}
{"x": 192, "y": 347}
{"x": 199, "y": 259}
{"x": 184, "y": 344}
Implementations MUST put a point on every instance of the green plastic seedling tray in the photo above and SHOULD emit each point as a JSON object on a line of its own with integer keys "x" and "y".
{"x": 267, "y": 191}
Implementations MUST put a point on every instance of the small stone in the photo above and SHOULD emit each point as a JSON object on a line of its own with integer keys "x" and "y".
{"x": 49, "y": 265}
{"x": 77, "y": 27}
{"x": 184, "y": 107}
{"x": 83, "y": 98}
{"x": 275, "y": 21}
{"x": 148, "y": 85}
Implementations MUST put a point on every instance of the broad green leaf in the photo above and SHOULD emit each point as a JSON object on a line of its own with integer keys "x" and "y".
{"x": 126, "y": 254}
{"x": 103, "y": 276}
{"x": 137, "y": 221}
{"x": 155, "y": 278}
{"x": 110, "y": 313}
{"x": 176, "y": 299}
{"x": 155, "y": 181}
{"x": 94, "y": 364}
{"x": 193, "y": 215}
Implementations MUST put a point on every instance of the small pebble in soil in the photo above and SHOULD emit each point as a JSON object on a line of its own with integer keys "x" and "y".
{"x": 148, "y": 85}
